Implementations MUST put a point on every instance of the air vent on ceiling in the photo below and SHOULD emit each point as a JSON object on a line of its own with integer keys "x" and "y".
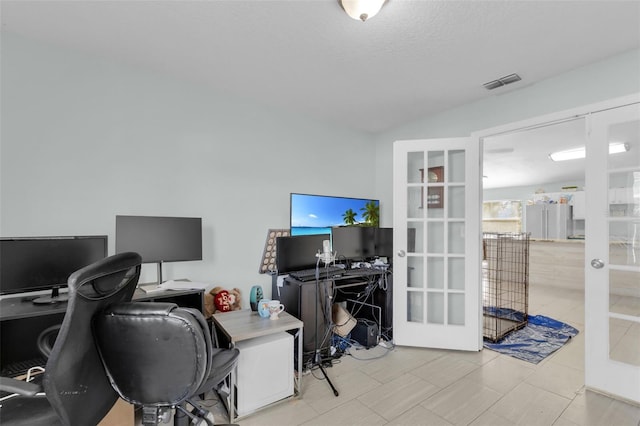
{"x": 502, "y": 81}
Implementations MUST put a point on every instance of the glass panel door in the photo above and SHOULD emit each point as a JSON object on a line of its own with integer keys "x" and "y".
{"x": 436, "y": 221}
{"x": 612, "y": 288}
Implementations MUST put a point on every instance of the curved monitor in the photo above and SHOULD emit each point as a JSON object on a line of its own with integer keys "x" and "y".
{"x": 42, "y": 263}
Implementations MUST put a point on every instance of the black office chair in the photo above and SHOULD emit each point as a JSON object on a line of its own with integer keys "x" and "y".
{"x": 160, "y": 357}
{"x": 75, "y": 389}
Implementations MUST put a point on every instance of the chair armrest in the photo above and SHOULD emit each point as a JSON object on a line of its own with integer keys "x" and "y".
{"x": 19, "y": 386}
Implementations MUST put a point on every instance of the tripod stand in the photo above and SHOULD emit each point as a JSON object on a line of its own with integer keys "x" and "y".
{"x": 317, "y": 359}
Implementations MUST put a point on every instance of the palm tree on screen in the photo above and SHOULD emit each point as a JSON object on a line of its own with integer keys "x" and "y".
{"x": 349, "y": 217}
{"x": 371, "y": 213}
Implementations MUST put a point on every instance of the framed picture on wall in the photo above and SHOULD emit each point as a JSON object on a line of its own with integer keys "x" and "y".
{"x": 435, "y": 195}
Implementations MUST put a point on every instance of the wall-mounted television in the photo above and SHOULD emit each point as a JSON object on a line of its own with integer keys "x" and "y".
{"x": 160, "y": 239}
{"x": 317, "y": 214}
{"x": 29, "y": 264}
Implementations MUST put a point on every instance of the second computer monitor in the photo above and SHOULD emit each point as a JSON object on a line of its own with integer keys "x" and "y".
{"x": 361, "y": 242}
{"x": 353, "y": 242}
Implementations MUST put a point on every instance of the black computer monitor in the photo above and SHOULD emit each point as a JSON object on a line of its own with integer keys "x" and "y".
{"x": 29, "y": 264}
{"x": 353, "y": 242}
{"x": 384, "y": 243}
{"x": 160, "y": 239}
{"x": 298, "y": 252}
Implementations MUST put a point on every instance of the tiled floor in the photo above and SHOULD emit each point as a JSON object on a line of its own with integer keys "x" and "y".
{"x": 409, "y": 386}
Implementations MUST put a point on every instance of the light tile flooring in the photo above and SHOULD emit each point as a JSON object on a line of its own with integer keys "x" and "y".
{"x": 410, "y": 386}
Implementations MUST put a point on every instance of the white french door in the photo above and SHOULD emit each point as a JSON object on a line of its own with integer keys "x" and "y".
{"x": 612, "y": 254}
{"x": 437, "y": 239}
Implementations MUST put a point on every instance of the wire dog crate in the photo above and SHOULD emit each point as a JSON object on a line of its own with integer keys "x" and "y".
{"x": 505, "y": 283}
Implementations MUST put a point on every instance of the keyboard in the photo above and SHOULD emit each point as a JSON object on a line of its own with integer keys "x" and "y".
{"x": 310, "y": 274}
{"x": 21, "y": 367}
{"x": 364, "y": 272}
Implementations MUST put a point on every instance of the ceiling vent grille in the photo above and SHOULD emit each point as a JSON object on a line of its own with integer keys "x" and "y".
{"x": 502, "y": 81}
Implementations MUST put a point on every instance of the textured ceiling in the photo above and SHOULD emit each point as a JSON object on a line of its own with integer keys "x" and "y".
{"x": 413, "y": 59}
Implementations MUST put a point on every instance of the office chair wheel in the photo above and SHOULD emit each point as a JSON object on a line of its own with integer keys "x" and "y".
{"x": 153, "y": 415}
{"x": 164, "y": 415}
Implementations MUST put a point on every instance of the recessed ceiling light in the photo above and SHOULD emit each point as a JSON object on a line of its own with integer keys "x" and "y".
{"x": 576, "y": 153}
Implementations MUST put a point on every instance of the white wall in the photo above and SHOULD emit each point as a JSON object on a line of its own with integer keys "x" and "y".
{"x": 615, "y": 77}
{"x": 83, "y": 140}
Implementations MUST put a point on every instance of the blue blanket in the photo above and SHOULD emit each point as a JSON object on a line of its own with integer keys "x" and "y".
{"x": 537, "y": 340}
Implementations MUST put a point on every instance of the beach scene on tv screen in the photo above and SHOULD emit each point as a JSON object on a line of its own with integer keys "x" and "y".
{"x": 317, "y": 214}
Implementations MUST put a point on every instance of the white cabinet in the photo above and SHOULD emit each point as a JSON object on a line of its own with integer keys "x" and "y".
{"x": 620, "y": 196}
{"x": 264, "y": 371}
{"x": 573, "y": 198}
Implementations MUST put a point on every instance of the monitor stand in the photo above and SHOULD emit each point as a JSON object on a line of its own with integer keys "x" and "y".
{"x": 160, "y": 273}
{"x": 55, "y": 297}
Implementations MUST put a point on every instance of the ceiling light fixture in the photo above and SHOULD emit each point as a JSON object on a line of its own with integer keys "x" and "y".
{"x": 502, "y": 81}
{"x": 362, "y": 9}
{"x": 576, "y": 153}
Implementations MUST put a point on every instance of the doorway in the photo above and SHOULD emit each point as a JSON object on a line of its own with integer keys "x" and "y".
{"x": 598, "y": 288}
{"x": 520, "y": 179}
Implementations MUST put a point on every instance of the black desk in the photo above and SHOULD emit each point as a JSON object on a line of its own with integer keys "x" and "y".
{"x": 21, "y": 321}
{"x": 299, "y": 299}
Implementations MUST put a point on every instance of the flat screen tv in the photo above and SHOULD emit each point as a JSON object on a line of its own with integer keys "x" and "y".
{"x": 160, "y": 239}
{"x": 29, "y": 264}
{"x": 317, "y": 214}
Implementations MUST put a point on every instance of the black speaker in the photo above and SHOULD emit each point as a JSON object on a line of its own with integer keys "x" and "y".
{"x": 366, "y": 333}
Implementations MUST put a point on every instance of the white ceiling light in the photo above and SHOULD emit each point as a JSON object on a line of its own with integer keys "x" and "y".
{"x": 362, "y": 9}
{"x": 574, "y": 154}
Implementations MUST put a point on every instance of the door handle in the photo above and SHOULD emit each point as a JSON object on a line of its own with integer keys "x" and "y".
{"x": 401, "y": 253}
{"x": 597, "y": 263}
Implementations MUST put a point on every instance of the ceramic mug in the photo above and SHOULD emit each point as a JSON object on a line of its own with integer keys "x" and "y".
{"x": 263, "y": 308}
{"x": 275, "y": 307}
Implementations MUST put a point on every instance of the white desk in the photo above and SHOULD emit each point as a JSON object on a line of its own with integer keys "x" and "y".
{"x": 246, "y": 324}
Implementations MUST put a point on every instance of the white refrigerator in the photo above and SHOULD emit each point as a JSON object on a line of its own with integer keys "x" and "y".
{"x": 549, "y": 221}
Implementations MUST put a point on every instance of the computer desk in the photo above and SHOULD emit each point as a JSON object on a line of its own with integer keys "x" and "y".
{"x": 21, "y": 321}
{"x": 246, "y": 324}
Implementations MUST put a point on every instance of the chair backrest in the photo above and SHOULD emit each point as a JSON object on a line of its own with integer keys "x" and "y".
{"x": 155, "y": 354}
{"x": 74, "y": 380}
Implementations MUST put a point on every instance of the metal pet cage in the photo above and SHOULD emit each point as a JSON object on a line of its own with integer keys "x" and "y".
{"x": 505, "y": 283}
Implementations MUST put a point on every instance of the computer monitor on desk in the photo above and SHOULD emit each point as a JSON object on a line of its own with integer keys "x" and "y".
{"x": 360, "y": 243}
{"x": 298, "y": 252}
{"x": 31, "y": 264}
{"x": 160, "y": 239}
{"x": 353, "y": 243}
